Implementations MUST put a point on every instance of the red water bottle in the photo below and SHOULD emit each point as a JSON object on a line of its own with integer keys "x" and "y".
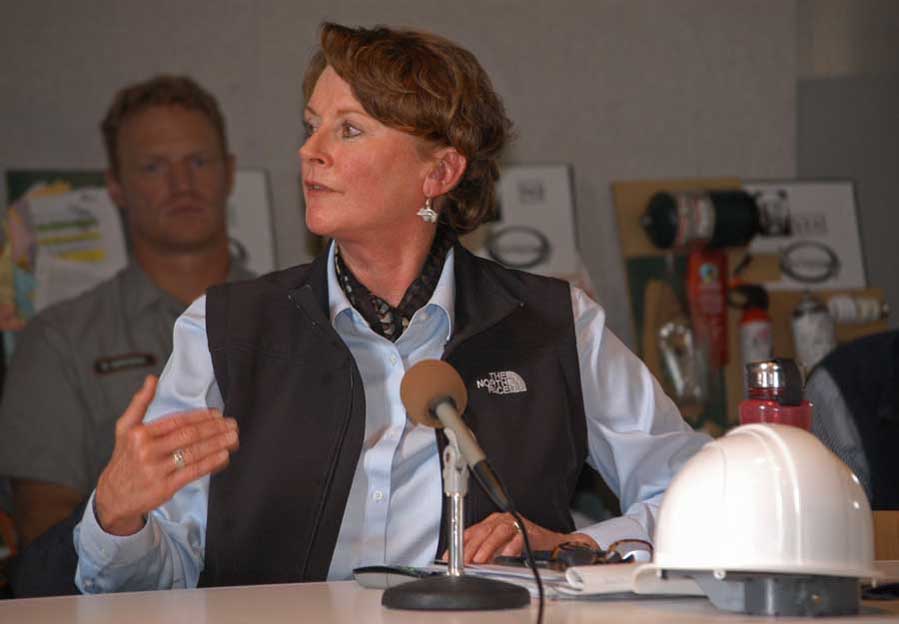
{"x": 774, "y": 395}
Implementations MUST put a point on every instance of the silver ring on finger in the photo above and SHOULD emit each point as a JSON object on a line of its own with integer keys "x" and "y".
{"x": 178, "y": 458}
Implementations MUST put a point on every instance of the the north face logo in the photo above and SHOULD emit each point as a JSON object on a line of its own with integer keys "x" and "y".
{"x": 502, "y": 382}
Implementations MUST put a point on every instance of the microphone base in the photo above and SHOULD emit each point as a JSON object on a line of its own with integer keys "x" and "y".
{"x": 456, "y": 593}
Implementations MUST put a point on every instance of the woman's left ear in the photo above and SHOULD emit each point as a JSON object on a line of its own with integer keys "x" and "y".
{"x": 448, "y": 169}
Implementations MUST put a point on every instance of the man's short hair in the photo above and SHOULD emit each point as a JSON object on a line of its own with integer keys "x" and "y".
{"x": 162, "y": 90}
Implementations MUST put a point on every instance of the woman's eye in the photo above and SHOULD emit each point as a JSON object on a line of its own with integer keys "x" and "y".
{"x": 348, "y": 131}
{"x": 308, "y": 129}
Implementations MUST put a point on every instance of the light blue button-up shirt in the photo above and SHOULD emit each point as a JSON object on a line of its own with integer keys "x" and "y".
{"x": 636, "y": 441}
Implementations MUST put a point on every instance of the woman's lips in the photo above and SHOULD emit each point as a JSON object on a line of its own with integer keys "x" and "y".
{"x": 317, "y": 187}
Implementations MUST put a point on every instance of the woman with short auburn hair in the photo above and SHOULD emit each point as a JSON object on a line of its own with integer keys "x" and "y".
{"x": 420, "y": 83}
{"x": 403, "y": 132}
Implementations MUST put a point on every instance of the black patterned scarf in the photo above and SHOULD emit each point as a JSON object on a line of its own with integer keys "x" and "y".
{"x": 382, "y": 317}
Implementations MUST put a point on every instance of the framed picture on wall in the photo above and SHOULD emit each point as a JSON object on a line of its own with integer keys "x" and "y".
{"x": 535, "y": 225}
{"x": 812, "y": 228}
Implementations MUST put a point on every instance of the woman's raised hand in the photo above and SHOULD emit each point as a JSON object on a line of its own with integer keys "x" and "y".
{"x": 151, "y": 462}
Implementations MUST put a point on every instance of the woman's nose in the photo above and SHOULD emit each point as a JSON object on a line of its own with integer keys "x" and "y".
{"x": 314, "y": 150}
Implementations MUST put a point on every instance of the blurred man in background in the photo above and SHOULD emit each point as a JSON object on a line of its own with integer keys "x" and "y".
{"x": 78, "y": 363}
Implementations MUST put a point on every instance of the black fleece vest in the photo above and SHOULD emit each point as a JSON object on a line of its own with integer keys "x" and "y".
{"x": 293, "y": 386}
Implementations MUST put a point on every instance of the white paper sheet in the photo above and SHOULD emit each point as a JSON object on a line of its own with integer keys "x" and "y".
{"x": 80, "y": 243}
{"x": 626, "y": 577}
{"x": 58, "y": 279}
{"x": 591, "y": 582}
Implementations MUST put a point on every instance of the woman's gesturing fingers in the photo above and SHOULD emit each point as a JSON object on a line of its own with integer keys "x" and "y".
{"x": 196, "y": 435}
{"x": 208, "y": 464}
{"x": 137, "y": 408}
{"x": 204, "y": 441}
{"x": 151, "y": 462}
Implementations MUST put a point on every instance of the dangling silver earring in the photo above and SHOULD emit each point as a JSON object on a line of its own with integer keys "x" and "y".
{"x": 427, "y": 214}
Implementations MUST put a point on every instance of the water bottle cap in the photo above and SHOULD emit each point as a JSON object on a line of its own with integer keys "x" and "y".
{"x": 779, "y": 374}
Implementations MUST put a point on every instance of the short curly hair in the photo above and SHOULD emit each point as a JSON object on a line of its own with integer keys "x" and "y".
{"x": 427, "y": 86}
{"x": 161, "y": 90}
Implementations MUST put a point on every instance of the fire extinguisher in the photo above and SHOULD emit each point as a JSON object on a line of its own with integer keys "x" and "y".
{"x": 686, "y": 219}
{"x": 756, "y": 327}
{"x": 707, "y": 294}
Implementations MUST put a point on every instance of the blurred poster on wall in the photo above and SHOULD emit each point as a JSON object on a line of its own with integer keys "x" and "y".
{"x": 812, "y": 227}
{"x": 62, "y": 235}
{"x": 78, "y": 241}
{"x": 535, "y": 226}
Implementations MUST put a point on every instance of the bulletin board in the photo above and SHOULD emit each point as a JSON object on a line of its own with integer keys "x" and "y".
{"x": 656, "y": 284}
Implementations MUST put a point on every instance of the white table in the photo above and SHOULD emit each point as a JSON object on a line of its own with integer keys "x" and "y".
{"x": 346, "y": 602}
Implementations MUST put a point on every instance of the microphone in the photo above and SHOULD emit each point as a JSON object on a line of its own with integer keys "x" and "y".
{"x": 434, "y": 396}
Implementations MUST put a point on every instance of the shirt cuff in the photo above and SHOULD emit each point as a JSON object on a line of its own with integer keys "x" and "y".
{"x": 99, "y": 548}
{"x": 610, "y": 531}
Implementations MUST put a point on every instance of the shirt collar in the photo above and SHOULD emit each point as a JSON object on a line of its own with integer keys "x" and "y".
{"x": 143, "y": 292}
{"x": 443, "y": 297}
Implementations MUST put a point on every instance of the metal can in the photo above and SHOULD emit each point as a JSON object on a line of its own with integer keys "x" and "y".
{"x": 814, "y": 333}
{"x": 849, "y": 309}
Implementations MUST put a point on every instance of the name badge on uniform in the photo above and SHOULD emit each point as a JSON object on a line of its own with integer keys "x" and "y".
{"x": 125, "y": 361}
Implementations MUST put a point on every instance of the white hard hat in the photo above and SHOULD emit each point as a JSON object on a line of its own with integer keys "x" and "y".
{"x": 768, "y": 499}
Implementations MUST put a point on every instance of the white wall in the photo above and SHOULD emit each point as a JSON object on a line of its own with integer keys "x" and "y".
{"x": 621, "y": 89}
{"x": 848, "y": 118}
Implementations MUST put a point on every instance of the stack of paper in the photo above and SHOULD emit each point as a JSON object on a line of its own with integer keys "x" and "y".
{"x": 632, "y": 579}
{"x": 636, "y": 578}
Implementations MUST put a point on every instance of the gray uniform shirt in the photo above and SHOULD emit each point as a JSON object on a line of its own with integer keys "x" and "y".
{"x": 834, "y": 425}
{"x": 75, "y": 368}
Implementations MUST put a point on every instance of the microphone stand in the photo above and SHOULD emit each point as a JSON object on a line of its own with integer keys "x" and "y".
{"x": 455, "y": 487}
{"x": 455, "y": 591}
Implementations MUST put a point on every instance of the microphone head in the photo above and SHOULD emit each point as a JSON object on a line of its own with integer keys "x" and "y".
{"x": 427, "y": 382}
